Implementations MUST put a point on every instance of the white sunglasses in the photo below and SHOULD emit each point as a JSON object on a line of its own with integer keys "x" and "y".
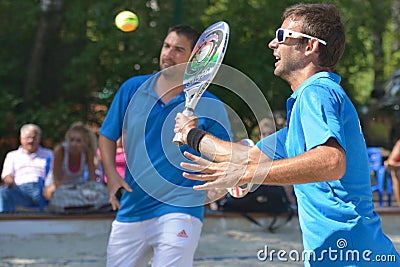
{"x": 282, "y": 34}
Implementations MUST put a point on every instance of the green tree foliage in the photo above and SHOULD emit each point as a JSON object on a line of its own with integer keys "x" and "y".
{"x": 65, "y": 61}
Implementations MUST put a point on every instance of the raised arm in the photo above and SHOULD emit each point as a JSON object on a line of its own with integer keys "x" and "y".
{"x": 210, "y": 146}
{"x": 233, "y": 164}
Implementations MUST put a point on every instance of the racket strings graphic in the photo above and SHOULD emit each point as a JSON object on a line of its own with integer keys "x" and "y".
{"x": 202, "y": 67}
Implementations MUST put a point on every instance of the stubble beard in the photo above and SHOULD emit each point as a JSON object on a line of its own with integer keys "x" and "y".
{"x": 287, "y": 69}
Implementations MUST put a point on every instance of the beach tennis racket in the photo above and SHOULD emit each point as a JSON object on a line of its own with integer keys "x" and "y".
{"x": 202, "y": 67}
{"x": 242, "y": 190}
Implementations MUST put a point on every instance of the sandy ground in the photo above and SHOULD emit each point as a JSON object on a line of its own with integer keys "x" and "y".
{"x": 232, "y": 242}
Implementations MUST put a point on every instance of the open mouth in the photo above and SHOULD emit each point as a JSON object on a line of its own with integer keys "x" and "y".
{"x": 278, "y": 59}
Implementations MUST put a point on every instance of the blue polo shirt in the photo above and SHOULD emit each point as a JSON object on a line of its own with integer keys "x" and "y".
{"x": 336, "y": 216}
{"x": 152, "y": 159}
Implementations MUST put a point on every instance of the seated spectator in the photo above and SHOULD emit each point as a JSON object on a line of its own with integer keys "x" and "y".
{"x": 72, "y": 158}
{"x": 71, "y": 184}
{"x": 22, "y": 169}
{"x": 392, "y": 164}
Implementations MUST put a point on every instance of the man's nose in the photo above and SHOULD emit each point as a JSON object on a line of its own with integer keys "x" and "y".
{"x": 273, "y": 43}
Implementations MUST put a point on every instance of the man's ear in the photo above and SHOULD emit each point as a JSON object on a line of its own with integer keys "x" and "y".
{"x": 312, "y": 46}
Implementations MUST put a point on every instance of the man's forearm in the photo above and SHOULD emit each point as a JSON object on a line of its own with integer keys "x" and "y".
{"x": 8, "y": 180}
{"x": 108, "y": 151}
{"x": 219, "y": 150}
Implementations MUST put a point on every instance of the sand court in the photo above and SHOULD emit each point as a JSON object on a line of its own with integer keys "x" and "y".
{"x": 78, "y": 241}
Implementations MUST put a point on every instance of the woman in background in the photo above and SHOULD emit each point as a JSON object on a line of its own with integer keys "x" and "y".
{"x": 392, "y": 164}
{"x": 72, "y": 159}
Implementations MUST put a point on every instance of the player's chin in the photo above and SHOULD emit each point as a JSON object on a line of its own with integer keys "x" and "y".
{"x": 277, "y": 71}
{"x": 166, "y": 64}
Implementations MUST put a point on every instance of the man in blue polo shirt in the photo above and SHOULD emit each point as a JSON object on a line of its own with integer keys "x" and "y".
{"x": 322, "y": 150}
{"x": 160, "y": 215}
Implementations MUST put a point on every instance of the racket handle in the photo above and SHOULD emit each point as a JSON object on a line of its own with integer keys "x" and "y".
{"x": 178, "y": 139}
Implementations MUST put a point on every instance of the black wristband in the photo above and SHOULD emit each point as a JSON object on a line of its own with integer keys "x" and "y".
{"x": 194, "y": 137}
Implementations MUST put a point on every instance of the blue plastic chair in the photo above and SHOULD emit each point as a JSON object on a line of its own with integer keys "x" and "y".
{"x": 389, "y": 188}
{"x": 379, "y": 171}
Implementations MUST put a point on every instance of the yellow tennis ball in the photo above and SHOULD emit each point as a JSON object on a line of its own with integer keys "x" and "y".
{"x": 126, "y": 21}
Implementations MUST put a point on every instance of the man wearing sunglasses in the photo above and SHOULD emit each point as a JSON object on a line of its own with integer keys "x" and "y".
{"x": 321, "y": 150}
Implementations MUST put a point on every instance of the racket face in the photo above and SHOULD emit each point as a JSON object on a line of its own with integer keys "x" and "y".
{"x": 206, "y": 56}
{"x": 202, "y": 66}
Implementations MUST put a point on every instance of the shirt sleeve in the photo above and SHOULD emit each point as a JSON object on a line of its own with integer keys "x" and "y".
{"x": 114, "y": 120}
{"x": 321, "y": 116}
{"x": 8, "y": 166}
{"x": 274, "y": 145}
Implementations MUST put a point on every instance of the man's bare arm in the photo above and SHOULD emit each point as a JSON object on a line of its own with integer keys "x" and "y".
{"x": 324, "y": 163}
{"x": 114, "y": 180}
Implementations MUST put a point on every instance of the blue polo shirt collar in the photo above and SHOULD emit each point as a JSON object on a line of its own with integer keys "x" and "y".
{"x": 323, "y": 74}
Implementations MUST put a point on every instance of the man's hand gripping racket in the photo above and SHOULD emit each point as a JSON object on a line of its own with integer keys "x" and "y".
{"x": 202, "y": 67}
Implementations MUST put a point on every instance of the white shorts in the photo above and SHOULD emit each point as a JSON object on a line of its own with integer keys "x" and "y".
{"x": 170, "y": 240}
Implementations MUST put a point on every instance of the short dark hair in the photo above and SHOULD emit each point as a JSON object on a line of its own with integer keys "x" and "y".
{"x": 322, "y": 21}
{"x": 186, "y": 30}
